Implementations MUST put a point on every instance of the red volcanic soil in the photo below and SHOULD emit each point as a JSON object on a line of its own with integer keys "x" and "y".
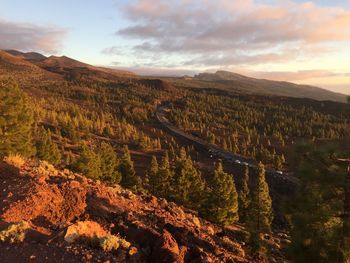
{"x": 51, "y": 200}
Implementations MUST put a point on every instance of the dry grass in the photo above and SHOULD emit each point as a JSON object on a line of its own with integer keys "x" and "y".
{"x": 15, "y": 160}
{"x": 109, "y": 243}
{"x": 15, "y": 233}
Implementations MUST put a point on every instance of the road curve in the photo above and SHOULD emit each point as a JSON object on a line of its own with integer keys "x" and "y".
{"x": 219, "y": 152}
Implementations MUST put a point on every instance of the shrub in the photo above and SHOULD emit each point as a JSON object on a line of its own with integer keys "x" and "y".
{"x": 15, "y": 233}
{"x": 15, "y": 160}
{"x": 109, "y": 243}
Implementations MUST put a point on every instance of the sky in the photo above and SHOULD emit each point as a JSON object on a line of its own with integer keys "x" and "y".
{"x": 305, "y": 42}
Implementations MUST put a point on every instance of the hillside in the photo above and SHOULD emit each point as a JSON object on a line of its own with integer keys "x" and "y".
{"x": 70, "y": 68}
{"x": 54, "y": 202}
{"x": 24, "y": 71}
{"x": 232, "y": 81}
{"x": 35, "y": 64}
{"x": 199, "y": 144}
{"x": 30, "y": 56}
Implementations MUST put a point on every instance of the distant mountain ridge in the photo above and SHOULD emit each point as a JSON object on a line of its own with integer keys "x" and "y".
{"x": 65, "y": 66}
{"x": 34, "y": 67}
{"x": 230, "y": 80}
{"x": 30, "y": 56}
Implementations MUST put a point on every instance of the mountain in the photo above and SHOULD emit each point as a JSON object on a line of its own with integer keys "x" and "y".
{"x": 32, "y": 67}
{"x": 233, "y": 81}
{"x": 16, "y": 64}
{"x": 72, "y": 68}
{"x": 69, "y": 68}
{"x": 30, "y": 56}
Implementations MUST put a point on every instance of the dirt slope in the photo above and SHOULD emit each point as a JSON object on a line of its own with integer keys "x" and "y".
{"x": 52, "y": 200}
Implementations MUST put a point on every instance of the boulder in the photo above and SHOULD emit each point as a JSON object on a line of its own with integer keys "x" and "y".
{"x": 166, "y": 250}
{"x": 84, "y": 229}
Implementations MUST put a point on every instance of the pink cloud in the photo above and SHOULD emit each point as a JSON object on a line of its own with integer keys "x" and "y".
{"x": 29, "y": 37}
{"x": 228, "y": 31}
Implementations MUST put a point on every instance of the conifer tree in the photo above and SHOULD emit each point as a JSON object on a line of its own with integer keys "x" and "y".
{"x": 109, "y": 164}
{"x": 244, "y": 197}
{"x": 16, "y": 119}
{"x": 46, "y": 149}
{"x": 222, "y": 202}
{"x": 70, "y": 160}
{"x": 126, "y": 168}
{"x": 319, "y": 210}
{"x": 89, "y": 163}
{"x": 153, "y": 174}
{"x": 164, "y": 178}
{"x": 260, "y": 211}
{"x": 187, "y": 184}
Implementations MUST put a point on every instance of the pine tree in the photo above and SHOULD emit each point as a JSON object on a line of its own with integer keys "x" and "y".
{"x": 16, "y": 119}
{"x": 89, "y": 163}
{"x": 244, "y": 197}
{"x": 126, "y": 168}
{"x": 319, "y": 210}
{"x": 153, "y": 174}
{"x": 70, "y": 160}
{"x": 46, "y": 149}
{"x": 187, "y": 184}
{"x": 222, "y": 202}
{"x": 164, "y": 178}
{"x": 260, "y": 211}
{"x": 109, "y": 164}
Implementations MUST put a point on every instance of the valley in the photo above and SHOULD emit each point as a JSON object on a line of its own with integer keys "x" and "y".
{"x": 199, "y": 144}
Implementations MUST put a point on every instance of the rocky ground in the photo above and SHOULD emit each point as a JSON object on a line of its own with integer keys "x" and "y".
{"x": 67, "y": 217}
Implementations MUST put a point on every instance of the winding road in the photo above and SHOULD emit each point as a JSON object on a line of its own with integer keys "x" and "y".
{"x": 214, "y": 150}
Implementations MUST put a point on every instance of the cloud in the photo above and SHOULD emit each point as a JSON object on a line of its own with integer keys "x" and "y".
{"x": 223, "y": 32}
{"x": 156, "y": 71}
{"x": 296, "y": 75}
{"x": 30, "y": 37}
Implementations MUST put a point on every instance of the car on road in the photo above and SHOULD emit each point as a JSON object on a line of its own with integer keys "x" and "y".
{"x": 238, "y": 161}
{"x": 279, "y": 172}
{"x": 245, "y": 163}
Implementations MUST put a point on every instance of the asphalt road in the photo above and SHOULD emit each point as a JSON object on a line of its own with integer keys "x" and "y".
{"x": 217, "y": 152}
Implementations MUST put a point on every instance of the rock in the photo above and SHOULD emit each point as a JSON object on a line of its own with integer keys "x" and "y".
{"x": 196, "y": 221}
{"x": 233, "y": 246}
{"x": 163, "y": 203}
{"x": 285, "y": 242}
{"x": 71, "y": 177}
{"x": 166, "y": 250}
{"x": 133, "y": 251}
{"x": 74, "y": 184}
{"x": 210, "y": 230}
{"x": 84, "y": 229}
{"x": 128, "y": 194}
{"x": 176, "y": 211}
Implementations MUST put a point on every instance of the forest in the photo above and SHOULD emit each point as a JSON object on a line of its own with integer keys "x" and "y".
{"x": 102, "y": 128}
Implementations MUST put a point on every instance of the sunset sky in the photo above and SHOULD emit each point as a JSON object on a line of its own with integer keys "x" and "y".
{"x": 298, "y": 41}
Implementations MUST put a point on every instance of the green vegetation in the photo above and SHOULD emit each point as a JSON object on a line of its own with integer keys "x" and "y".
{"x": 46, "y": 149}
{"x": 258, "y": 127}
{"x": 89, "y": 163}
{"x": 161, "y": 177}
{"x": 126, "y": 168}
{"x": 187, "y": 184}
{"x": 93, "y": 127}
{"x": 16, "y": 120}
{"x": 319, "y": 212}
{"x": 244, "y": 197}
{"x": 222, "y": 202}
{"x": 260, "y": 211}
{"x": 109, "y": 164}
